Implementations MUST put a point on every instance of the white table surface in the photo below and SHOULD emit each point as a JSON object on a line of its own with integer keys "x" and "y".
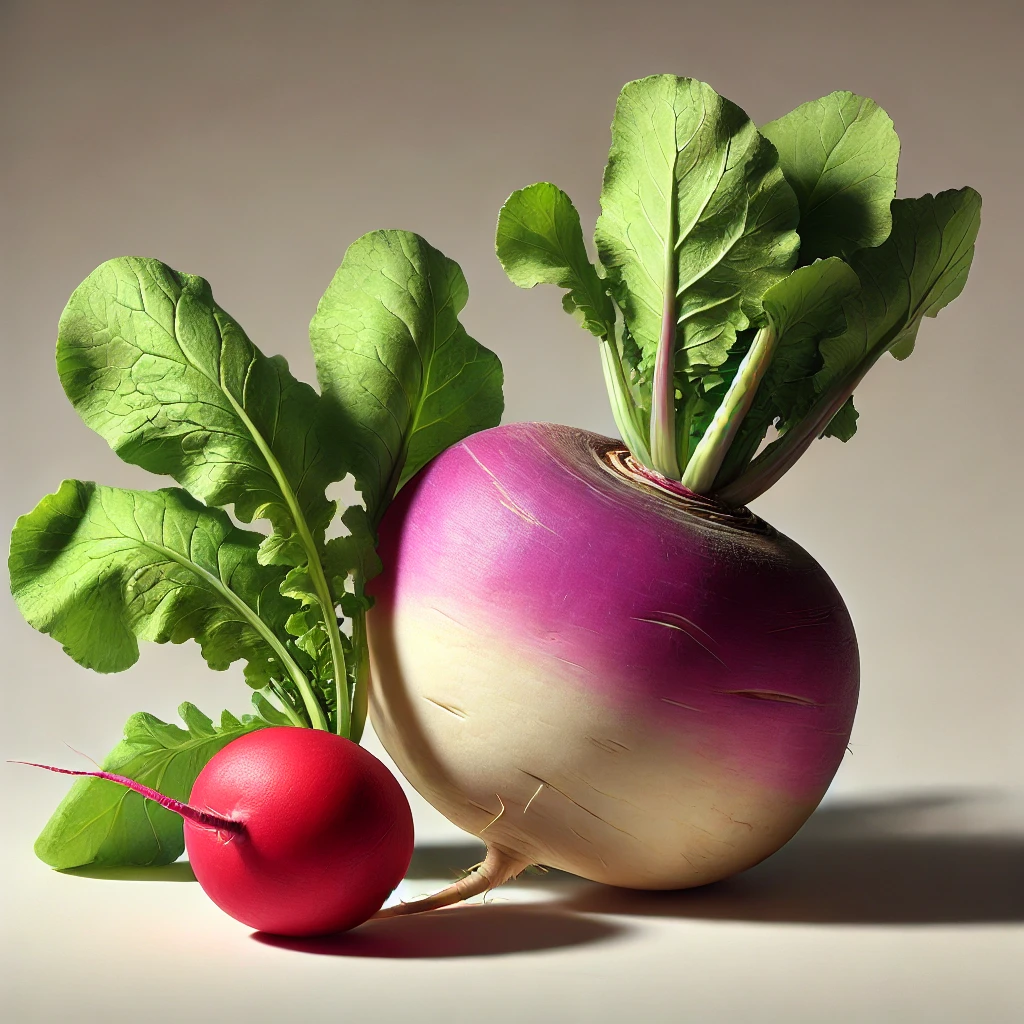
{"x": 887, "y": 907}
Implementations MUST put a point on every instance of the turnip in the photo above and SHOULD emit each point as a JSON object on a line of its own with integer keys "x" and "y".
{"x": 598, "y": 673}
{"x": 590, "y": 654}
{"x": 292, "y": 831}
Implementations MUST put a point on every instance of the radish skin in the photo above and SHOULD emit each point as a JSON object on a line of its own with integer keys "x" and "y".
{"x": 593, "y": 669}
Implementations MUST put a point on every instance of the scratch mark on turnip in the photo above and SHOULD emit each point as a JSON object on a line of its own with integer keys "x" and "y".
{"x": 495, "y": 818}
{"x": 603, "y": 745}
{"x": 680, "y": 704}
{"x": 781, "y": 698}
{"x": 813, "y": 617}
{"x": 684, "y": 631}
{"x": 509, "y": 502}
{"x": 574, "y": 664}
{"x": 532, "y": 798}
{"x": 451, "y": 709}
{"x": 451, "y": 618}
{"x": 586, "y": 810}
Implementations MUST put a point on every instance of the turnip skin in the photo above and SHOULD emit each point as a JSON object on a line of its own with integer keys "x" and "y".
{"x": 328, "y": 832}
{"x": 598, "y": 676}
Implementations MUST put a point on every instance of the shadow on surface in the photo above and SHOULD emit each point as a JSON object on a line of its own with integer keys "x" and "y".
{"x": 473, "y": 930}
{"x": 936, "y": 859}
{"x": 180, "y": 871}
{"x": 451, "y": 860}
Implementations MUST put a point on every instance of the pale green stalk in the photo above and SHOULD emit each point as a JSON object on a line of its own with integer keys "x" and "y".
{"x": 623, "y": 407}
{"x": 361, "y": 687}
{"x": 776, "y": 460}
{"x": 712, "y": 448}
{"x": 664, "y": 445}
{"x": 316, "y": 574}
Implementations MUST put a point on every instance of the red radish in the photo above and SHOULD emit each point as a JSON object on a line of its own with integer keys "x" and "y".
{"x": 293, "y": 831}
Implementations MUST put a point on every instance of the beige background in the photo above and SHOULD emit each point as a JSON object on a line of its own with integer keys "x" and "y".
{"x": 250, "y": 143}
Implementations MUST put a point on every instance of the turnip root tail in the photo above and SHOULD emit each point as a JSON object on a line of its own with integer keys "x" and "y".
{"x": 187, "y": 811}
{"x": 498, "y": 866}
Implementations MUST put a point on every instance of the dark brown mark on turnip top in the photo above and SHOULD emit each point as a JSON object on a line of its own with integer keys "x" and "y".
{"x": 780, "y": 698}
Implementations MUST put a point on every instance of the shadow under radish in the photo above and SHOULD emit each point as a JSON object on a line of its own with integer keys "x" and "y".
{"x": 470, "y": 930}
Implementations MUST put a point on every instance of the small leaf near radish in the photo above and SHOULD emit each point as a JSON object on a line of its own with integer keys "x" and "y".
{"x": 98, "y": 823}
{"x": 844, "y": 424}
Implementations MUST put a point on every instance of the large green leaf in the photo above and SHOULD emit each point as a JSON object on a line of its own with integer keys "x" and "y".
{"x": 540, "y": 241}
{"x": 404, "y": 378}
{"x": 100, "y": 822}
{"x": 840, "y": 154}
{"x": 697, "y": 220}
{"x": 918, "y": 270}
{"x": 100, "y": 568}
{"x": 173, "y": 384}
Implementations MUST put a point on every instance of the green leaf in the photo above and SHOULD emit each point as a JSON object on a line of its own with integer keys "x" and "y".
{"x": 801, "y": 308}
{"x": 353, "y": 557}
{"x": 840, "y": 154}
{"x": 540, "y": 241}
{"x": 697, "y": 220}
{"x": 844, "y": 424}
{"x": 99, "y": 568}
{"x": 100, "y": 822}
{"x": 173, "y": 384}
{"x": 918, "y": 270}
{"x": 404, "y": 378}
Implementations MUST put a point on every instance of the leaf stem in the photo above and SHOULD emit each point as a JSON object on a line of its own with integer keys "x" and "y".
{"x": 664, "y": 448}
{"x": 360, "y": 688}
{"x": 313, "y": 708}
{"x": 713, "y": 447}
{"x": 623, "y": 408}
{"x": 273, "y": 688}
{"x": 316, "y": 575}
{"x": 780, "y": 456}
{"x": 198, "y": 816}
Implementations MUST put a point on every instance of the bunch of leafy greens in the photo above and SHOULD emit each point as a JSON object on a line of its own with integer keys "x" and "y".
{"x": 174, "y": 385}
{"x": 746, "y": 279}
